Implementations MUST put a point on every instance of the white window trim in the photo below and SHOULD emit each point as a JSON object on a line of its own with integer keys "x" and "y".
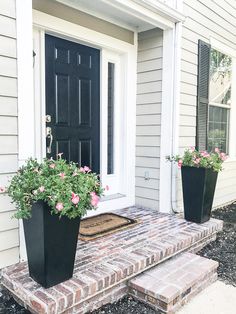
{"x": 219, "y": 46}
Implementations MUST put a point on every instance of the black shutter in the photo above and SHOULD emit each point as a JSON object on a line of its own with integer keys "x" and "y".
{"x": 204, "y": 50}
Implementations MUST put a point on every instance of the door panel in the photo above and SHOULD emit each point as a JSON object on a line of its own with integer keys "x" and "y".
{"x": 73, "y": 100}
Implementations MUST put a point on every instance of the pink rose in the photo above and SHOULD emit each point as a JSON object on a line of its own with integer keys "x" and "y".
{"x": 217, "y": 150}
{"x": 59, "y": 206}
{"x": 52, "y": 166}
{"x": 192, "y": 149}
{"x": 2, "y": 189}
{"x": 62, "y": 175}
{"x": 41, "y": 189}
{"x": 180, "y": 162}
{"x": 75, "y": 198}
{"x": 81, "y": 169}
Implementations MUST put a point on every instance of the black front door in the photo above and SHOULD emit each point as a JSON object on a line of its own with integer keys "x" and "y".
{"x": 73, "y": 101}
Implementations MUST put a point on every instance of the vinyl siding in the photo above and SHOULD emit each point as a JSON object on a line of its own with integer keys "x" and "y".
{"x": 205, "y": 19}
{"x": 148, "y": 120}
{"x": 9, "y": 234}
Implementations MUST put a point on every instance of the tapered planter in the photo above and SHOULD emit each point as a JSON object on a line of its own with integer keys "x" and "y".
{"x": 198, "y": 192}
{"x": 51, "y": 245}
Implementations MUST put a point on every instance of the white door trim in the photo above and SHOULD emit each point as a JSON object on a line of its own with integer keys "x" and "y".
{"x": 128, "y": 54}
{"x": 31, "y": 118}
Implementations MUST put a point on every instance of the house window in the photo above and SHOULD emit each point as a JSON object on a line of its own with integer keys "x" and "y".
{"x": 219, "y": 100}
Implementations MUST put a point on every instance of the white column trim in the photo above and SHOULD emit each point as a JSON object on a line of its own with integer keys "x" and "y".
{"x": 170, "y": 116}
{"x": 25, "y": 90}
{"x": 166, "y": 119}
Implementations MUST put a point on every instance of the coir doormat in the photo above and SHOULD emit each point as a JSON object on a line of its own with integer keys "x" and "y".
{"x": 103, "y": 224}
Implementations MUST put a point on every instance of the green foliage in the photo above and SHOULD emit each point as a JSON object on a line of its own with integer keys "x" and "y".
{"x": 200, "y": 159}
{"x": 69, "y": 191}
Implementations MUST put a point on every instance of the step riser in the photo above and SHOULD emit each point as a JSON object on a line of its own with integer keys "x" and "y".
{"x": 177, "y": 303}
{"x": 170, "y": 285}
{"x": 109, "y": 296}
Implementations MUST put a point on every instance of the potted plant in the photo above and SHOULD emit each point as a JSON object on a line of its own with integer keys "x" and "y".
{"x": 51, "y": 197}
{"x": 199, "y": 170}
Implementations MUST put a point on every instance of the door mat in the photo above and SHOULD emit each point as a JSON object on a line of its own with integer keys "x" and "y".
{"x": 103, "y": 224}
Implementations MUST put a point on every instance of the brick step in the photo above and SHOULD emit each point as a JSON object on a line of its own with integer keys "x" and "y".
{"x": 170, "y": 285}
{"x": 103, "y": 266}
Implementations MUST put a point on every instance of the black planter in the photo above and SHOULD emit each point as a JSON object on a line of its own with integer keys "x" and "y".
{"x": 51, "y": 245}
{"x": 198, "y": 193}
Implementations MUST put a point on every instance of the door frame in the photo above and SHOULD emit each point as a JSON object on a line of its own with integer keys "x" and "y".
{"x": 109, "y": 48}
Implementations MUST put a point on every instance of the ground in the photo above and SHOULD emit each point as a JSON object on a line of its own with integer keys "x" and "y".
{"x": 223, "y": 250}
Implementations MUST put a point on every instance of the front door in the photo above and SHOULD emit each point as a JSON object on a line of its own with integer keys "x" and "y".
{"x": 73, "y": 101}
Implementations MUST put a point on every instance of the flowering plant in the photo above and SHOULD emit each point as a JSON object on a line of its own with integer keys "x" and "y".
{"x": 200, "y": 159}
{"x": 69, "y": 190}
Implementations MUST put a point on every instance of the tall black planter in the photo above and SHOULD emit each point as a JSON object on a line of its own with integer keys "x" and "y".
{"x": 198, "y": 193}
{"x": 51, "y": 245}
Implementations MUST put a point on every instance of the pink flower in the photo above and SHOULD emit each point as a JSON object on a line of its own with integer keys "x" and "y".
{"x": 197, "y": 161}
{"x": 59, "y": 206}
{"x": 223, "y": 156}
{"x": 81, "y": 169}
{"x": 75, "y": 198}
{"x": 192, "y": 149}
{"x": 86, "y": 168}
{"x": 217, "y": 150}
{"x": 94, "y": 199}
{"x": 52, "y": 166}
{"x": 59, "y": 155}
{"x": 41, "y": 189}
{"x": 205, "y": 154}
{"x": 74, "y": 174}
{"x": 2, "y": 189}
{"x": 180, "y": 162}
{"x": 62, "y": 175}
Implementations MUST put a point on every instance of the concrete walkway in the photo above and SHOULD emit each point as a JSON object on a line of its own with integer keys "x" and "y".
{"x": 218, "y": 298}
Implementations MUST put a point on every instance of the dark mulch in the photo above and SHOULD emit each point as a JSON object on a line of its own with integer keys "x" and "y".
{"x": 223, "y": 250}
{"x": 9, "y": 306}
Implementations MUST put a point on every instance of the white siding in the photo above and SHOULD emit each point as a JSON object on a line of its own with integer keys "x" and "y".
{"x": 148, "y": 117}
{"x": 205, "y": 19}
{"x": 9, "y": 239}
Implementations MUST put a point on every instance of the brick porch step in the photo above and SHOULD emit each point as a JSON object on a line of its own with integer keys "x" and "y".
{"x": 171, "y": 284}
{"x": 103, "y": 266}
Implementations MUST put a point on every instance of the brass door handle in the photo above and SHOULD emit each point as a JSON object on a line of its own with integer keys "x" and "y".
{"x": 50, "y": 137}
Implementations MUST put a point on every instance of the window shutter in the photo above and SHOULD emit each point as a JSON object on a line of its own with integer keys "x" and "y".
{"x": 204, "y": 50}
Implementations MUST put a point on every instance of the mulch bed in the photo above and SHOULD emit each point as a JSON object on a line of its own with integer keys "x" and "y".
{"x": 222, "y": 250}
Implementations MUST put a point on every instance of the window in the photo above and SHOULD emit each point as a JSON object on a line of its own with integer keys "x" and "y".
{"x": 219, "y": 100}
